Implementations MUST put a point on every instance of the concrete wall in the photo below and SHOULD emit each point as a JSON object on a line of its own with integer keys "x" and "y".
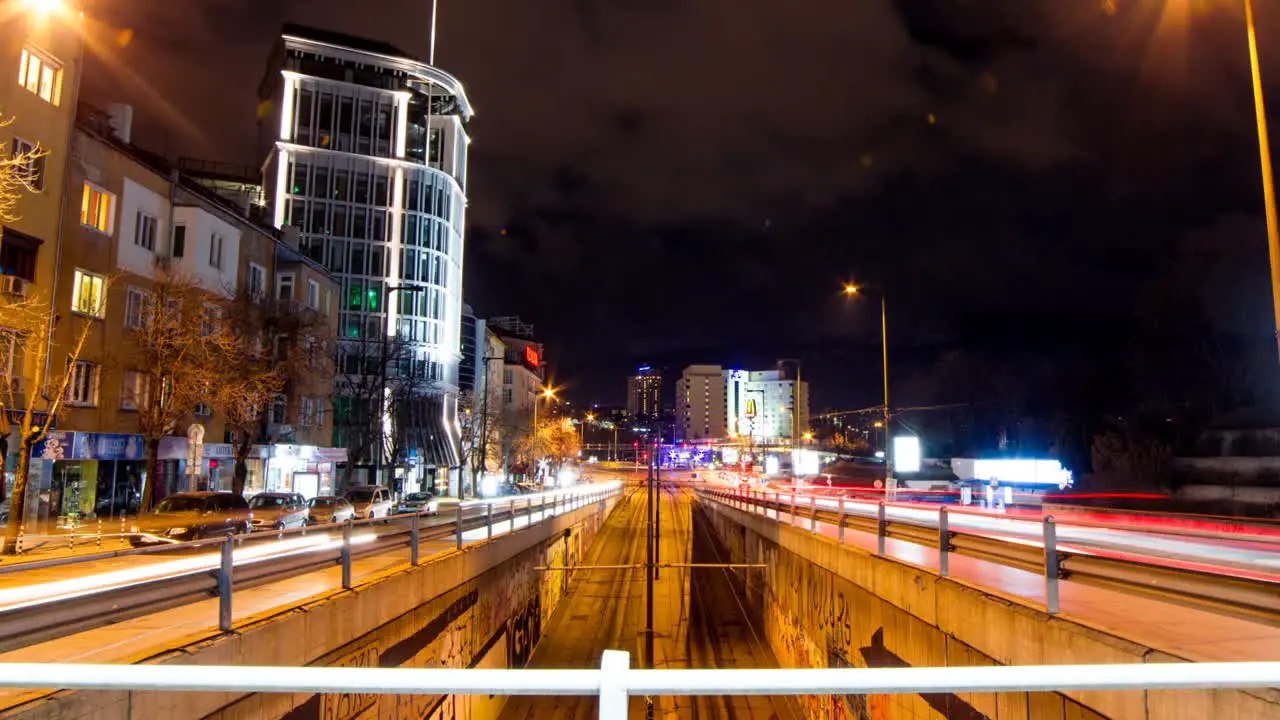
{"x": 825, "y": 605}
{"x": 482, "y": 607}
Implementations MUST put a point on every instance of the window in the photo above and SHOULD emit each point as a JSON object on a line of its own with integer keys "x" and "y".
{"x": 313, "y": 294}
{"x": 179, "y": 240}
{"x": 257, "y": 281}
{"x": 277, "y": 414}
{"x": 506, "y": 376}
{"x": 82, "y": 389}
{"x": 506, "y": 396}
{"x": 96, "y": 208}
{"x": 305, "y": 419}
{"x": 284, "y": 286}
{"x": 135, "y": 389}
{"x": 136, "y": 304}
{"x": 209, "y": 319}
{"x": 41, "y": 75}
{"x": 31, "y": 165}
{"x": 89, "y": 294}
{"x": 202, "y": 410}
{"x": 319, "y": 406}
{"x": 215, "y": 251}
{"x": 144, "y": 231}
{"x": 280, "y": 350}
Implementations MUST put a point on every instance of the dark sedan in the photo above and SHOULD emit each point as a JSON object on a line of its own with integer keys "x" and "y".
{"x": 193, "y": 516}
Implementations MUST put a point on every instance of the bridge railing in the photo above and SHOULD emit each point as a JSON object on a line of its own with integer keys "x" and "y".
{"x": 1241, "y": 595}
{"x": 84, "y": 600}
{"x": 614, "y": 682}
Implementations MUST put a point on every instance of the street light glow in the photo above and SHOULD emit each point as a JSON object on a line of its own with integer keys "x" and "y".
{"x": 43, "y": 7}
{"x": 850, "y": 289}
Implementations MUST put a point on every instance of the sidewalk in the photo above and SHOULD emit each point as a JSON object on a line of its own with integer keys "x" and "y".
{"x": 84, "y": 540}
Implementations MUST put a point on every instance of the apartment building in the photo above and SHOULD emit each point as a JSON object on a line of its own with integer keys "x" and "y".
{"x": 129, "y": 220}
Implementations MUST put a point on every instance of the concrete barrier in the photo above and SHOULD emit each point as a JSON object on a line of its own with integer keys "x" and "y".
{"x": 482, "y": 606}
{"x": 827, "y": 605}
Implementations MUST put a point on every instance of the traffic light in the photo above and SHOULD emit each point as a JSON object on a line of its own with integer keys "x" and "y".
{"x": 635, "y": 443}
{"x": 213, "y": 464}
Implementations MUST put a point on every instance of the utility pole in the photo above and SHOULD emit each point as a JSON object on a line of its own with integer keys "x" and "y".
{"x": 657, "y": 497}
{"x": 650, "y": 570}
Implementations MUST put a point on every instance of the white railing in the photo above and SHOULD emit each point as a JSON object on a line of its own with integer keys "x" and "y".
{"x": 614, "y": 682}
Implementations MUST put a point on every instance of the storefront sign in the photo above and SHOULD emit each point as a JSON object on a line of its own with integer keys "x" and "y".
{"x": 65, "y": 445}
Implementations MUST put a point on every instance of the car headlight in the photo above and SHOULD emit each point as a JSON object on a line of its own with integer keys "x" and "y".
{"x": 177, "y": 531}
{"x": 134, "y": 529}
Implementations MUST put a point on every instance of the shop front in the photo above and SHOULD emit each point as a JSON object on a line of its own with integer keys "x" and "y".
{"x": 303, "y": 469}
{"x": 80, "y": 475}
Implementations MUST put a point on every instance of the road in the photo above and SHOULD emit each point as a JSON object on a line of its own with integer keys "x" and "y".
{"x": 1255, "y": 556}
{"x": 698, "y": 620}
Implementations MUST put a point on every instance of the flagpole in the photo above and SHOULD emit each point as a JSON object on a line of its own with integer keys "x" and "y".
{"x": 431, "y": 54}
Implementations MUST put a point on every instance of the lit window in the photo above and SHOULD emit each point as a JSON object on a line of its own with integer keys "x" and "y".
{"x": 144, "y": 231}
{"x": 135, "y": 389}
{"x": 82, "y": 387}
{"x": 313, "y": 294}
{"x": 41, "y": 75}
{"x": 96, "y": 208}
{"x": 89, "y": 294}
{"x": 136, "y": 304}
{"x": 28, "y": 163}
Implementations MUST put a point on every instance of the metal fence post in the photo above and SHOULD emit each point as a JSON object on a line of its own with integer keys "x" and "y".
{"x": 881, "y": 529}
{"x": 614, "y": 666}
{"x": 793, "y": 509}
{"x": 457, "y": 526}
{"x": 346, "y": 555}
{"x": 840, "y": 524}
{"x": 1050, "y": 566}
{"x": 224, "y": 587}
{"x": 488, "y": 517}
{"x": 813, "y": 514}
{"x": 413, "y": 540}
{"x": 944, "y": 542}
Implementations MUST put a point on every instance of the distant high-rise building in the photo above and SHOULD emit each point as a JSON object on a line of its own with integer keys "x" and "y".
{"x": 644, "y": 393}
{"x": 367, "y": 157}
{"x": 700, "y": 403}
{"x": 762, "y": 404}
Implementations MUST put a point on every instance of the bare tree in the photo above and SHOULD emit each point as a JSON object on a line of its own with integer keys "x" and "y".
{"x": 370, "y": 383}
{"x": 273, "y": 342}
{"x": 30, "y": 325}
{"x": 553, "y": 440}
{"x": 482, "y": 431}
{"x": 180, "y": 349}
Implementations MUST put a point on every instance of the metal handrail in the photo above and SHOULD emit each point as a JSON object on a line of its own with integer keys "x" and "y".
{"x": 614, "y": 681}
{"x": 1252, "y": 598}
{"x": 43, "y": 620}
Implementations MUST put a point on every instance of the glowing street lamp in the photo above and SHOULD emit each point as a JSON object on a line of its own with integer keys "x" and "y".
{"x": 44, "y": 7}
{"x": 851, "y": 290}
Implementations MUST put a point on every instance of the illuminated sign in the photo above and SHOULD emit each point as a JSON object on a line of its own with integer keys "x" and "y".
{"x": 906, "y": 454}
{"x": 751, "y": 409}
{"x": 531, "y": 357}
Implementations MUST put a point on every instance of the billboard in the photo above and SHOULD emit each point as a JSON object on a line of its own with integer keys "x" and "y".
{"x": 531, "y": 358}
{"x": 906, "y": 454}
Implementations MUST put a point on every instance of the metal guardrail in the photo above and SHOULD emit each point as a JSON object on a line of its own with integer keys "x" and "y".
{"x": 614, "y": 682}
{"x": 1246, "y": 597}
{"x": 43, "y": 619}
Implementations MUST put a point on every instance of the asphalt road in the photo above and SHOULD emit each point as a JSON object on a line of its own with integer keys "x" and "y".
{"x": 698, "y": 621}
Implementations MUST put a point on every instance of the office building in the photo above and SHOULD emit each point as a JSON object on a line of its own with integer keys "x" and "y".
{"x": 366, "y": 156}
{"x": 700, "y": 403}
{"x": 768, "y": 406}
{"x": 644, "y": 393}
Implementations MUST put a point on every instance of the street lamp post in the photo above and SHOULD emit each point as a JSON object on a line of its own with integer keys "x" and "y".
{"x": 382, "y": 369}
{"x": 851, "y": 290}
{"x": 484, "y": 429}
{"x": 1264, "y": 159}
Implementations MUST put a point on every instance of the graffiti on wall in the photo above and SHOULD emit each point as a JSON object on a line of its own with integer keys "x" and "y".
{"x": 814, "y": 618}
{"x": 502, "y": 612}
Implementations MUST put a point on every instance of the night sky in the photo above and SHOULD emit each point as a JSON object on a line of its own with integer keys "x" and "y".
{"x": 674, "y": 181}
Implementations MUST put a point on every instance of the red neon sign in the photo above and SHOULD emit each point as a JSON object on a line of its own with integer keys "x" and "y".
{"x": 531, "y": 357}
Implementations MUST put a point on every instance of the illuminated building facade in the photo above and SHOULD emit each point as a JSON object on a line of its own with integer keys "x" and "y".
{"x": 367, "y": 158}
{"x": 700, "y": 403}
{"x": 762, "y": 405}
{"x": 644, "y": 393}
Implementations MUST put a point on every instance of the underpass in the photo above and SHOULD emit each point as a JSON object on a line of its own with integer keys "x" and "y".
{"x": 699, "y": 619}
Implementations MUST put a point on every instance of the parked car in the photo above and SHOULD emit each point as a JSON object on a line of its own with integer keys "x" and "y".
{"x": 278, "y": 510}
{"x": 192, "y": 516}
{"x": 419, "y": 502}
{"x": 370, "y": 501}
{"x": 330, "y": 509}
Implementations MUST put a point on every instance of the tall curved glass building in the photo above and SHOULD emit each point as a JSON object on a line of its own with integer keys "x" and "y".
{"x": 366, "y": 158}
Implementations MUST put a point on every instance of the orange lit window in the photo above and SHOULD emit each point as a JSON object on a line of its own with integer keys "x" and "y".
{"x": 96, "y": 208}
{"x": 40, "y": 74}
